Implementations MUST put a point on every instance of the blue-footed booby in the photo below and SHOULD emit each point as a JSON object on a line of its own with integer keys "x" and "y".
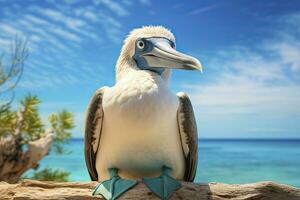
{"x": 138, "y": 129}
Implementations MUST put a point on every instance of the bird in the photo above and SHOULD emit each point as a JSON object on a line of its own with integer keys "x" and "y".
{"x": 138, "y": 129}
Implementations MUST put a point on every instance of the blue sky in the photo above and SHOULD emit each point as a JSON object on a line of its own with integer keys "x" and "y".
{"x": 250, "y": 87}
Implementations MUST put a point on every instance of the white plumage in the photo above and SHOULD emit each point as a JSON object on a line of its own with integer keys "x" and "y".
{"x": 140, "y": 132}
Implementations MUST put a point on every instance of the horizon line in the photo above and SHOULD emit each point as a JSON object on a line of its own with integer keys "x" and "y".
{"x": 232, "y": 138}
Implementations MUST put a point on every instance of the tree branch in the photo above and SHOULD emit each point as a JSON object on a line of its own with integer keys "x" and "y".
{"x": 13, "y": 162}
{"x": 19, "y": 53}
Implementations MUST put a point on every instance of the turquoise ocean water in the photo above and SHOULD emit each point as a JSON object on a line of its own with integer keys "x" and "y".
{"x": 227, "y": 161}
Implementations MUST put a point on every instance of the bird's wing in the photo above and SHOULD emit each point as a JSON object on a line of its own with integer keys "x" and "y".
{"x": 93, "y": 127}
{"x": 188, "y": 133}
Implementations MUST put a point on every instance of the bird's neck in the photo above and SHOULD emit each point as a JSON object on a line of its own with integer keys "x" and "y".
{"x": 142, "y": 77}
{"x": 125, "y": 67}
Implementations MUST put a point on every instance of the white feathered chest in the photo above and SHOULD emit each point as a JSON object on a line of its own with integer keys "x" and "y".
{"x": 140, "y": 122}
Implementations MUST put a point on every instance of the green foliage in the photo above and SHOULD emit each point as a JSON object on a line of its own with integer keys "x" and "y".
{"x": 61, "y": 123}
{"x": 33, "y": 127}
{"x": 7, "y": 121}
{"x": 2, "y": 72}
{"x": 48, "y": 174}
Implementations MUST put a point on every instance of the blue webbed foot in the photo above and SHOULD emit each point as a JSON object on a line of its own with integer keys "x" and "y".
{"x": 164, "y": 185}
{"x": 114, "y": 187}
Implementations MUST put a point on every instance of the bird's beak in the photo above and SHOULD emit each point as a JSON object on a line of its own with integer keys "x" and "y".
{"x": 163, "y": 55}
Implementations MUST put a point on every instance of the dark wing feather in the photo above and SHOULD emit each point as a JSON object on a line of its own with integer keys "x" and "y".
{"x": 93, "y": 127}
{"x": 189, "y": 136}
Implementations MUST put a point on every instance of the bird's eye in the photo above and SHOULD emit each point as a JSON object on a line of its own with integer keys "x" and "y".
{"x": 173, "y": 45}
{"x": 140, "y": 44}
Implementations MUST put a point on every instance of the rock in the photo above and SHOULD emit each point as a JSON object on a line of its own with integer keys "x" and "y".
{"x": 34, "y": 190}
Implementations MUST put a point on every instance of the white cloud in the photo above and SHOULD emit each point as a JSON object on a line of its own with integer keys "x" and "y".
{"x": 248, "y": 81}
{"x": 10, "y": 30}
{"x": 203, "y": 9}
{"x": 49, "y": 33}
{"x": 65, "y": 34}
{"x": 57, "y": 32}
{"x": 253, "y": 91}
{"x": 52, "y": 14}
{"x": 58, "y": 16}
{"x": 7, "y": 36}
{"x": 36, "y": 20}
{"x": 110, "y": 25}
{"x": 75, "y": 27}
{"x": 90, "y": 15}
{"x": 5, "y": 45}
{"x": 241, "y": 95}
{"x": 4, "y": 42}
{"x": 289, "y": 53}
{"x": 113, "y": 6}
{"x": 263, "y": 83}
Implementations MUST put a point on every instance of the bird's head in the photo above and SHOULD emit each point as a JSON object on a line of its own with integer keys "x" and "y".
{"x": 153, "y": 48}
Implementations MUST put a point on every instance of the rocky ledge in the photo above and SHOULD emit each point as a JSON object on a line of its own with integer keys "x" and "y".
{"x": 34, "y": 190}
